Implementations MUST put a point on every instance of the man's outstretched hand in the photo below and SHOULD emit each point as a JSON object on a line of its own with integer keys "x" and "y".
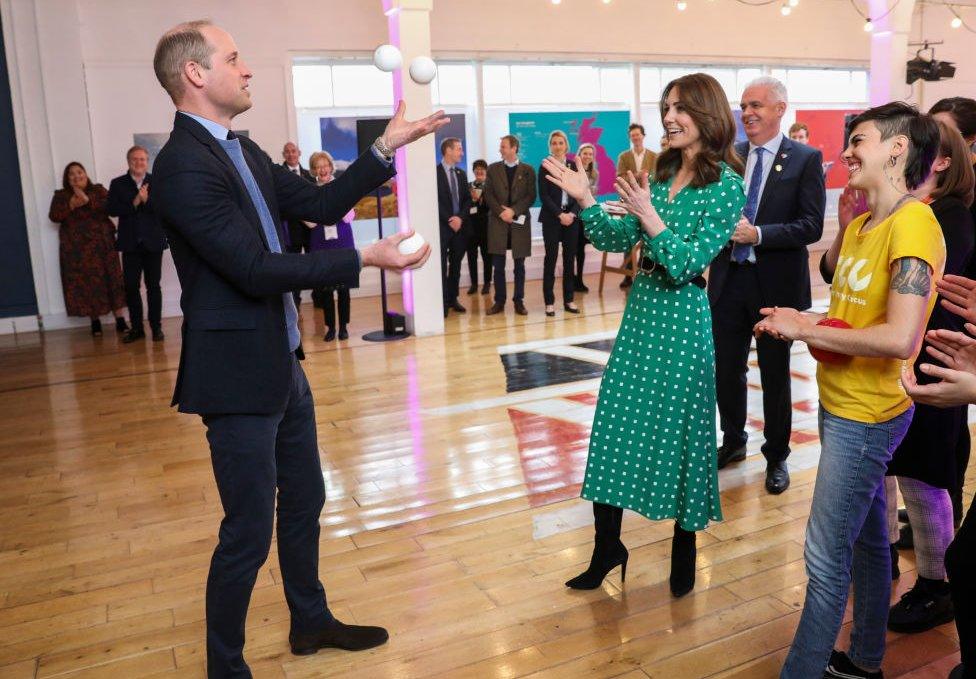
{"x": 385, "y": 254}
{"x": 400, "y": 131}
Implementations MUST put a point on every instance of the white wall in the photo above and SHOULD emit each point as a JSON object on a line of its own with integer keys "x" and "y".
{"x": 83, "y": 80}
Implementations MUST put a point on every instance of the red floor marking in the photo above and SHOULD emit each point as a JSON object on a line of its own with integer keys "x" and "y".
{"x": 801, "y": 437}
{"x": 552, "y": 454}
{"x": 806, "y": 406}
{"x": 587, "y": 398}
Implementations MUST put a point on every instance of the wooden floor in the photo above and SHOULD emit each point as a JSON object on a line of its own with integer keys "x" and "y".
{"x": 452, "y": 466}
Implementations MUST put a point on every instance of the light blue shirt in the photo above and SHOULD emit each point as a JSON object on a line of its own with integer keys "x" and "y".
{"x": 771, "y": 148}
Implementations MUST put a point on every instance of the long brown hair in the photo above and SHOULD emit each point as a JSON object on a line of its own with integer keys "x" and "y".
{"x": 707, "y": 104}
{"x": 958, "y": 179}
{"x": 65, "y": 184}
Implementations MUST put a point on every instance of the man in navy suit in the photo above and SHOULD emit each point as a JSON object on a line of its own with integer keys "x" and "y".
{"x": 454, "y": 208}
{"x": 765, "y": 265}
{"x": 220, "y": 198}
{"x": 294, "y": 230}
{"x": 141, "y": 241}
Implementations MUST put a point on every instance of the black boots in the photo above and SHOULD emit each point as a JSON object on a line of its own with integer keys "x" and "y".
{"x": 683, "y": 556}
{"x": 608, "y": 551}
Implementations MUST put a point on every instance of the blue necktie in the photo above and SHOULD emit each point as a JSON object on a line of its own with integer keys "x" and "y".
{"x": 232, "y": 145}
{"x": 741, "y": 251}
{"x": 455, "y": 201}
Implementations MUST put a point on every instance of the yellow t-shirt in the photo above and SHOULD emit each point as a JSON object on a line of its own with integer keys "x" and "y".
{"x": 868, "y": 389}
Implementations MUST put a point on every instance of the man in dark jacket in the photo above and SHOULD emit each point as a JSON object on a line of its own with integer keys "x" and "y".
{"x": 220, "y": 198}
{"x": 141, "y": 241}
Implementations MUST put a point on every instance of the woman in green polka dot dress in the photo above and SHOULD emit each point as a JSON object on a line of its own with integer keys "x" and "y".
{"x": 652, "y": 449}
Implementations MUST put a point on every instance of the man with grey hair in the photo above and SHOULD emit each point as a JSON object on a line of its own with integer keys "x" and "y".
{"x": 220, "y": 198}
{"x": 764, "y": 265}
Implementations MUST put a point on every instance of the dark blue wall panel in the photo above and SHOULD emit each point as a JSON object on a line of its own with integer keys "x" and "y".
{"x": 17, "y": 296}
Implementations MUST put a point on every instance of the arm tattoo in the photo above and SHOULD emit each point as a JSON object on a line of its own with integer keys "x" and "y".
{"x": 913, "y": 277}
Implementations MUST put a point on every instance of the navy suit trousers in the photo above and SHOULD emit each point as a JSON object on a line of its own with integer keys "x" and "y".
{"x": 255, "y": 458}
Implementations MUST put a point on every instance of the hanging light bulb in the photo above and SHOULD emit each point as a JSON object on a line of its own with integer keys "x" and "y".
{"x": 868, "y": 26}
{"x": 794, "y": 3}
{"x": 956, "y": 22}
{"x": 785, "y": 10}
{"x": 556, "y": 2}
{"x": 607, "y": 2}
{"x": 682, "y": 5}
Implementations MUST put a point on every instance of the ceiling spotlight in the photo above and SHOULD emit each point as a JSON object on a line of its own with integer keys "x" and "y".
{"x": 556, "y": 2}
{"x": 956, "y": 22}
{"x": 794, "y": 3}
{"x": 682, "y": 5}
{"x": 868, "y": 26}
{"x": 785, "y": 10}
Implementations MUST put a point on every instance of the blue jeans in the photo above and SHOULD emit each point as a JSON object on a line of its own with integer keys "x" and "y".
{"x": 847, "y": 538}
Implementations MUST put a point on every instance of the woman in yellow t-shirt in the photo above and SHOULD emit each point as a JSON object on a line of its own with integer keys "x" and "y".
{"x": 885, "y": 266}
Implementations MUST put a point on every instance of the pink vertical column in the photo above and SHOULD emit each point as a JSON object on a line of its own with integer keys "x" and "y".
{"x": 409, "y": 29}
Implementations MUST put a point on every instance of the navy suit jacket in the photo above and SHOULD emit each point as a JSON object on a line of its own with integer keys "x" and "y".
{"x": 551, "y": 197}
{"x": 136, "y": 224}
{"x": 235, "y": 356}
{"x": 791, "y": 216}
{"x": 444, "y": 208}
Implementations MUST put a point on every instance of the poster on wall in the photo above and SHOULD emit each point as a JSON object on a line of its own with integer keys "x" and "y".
{"x": 827, "y": 132}
{"x": 606, "y": 130}
{"x": 338, "y": 135}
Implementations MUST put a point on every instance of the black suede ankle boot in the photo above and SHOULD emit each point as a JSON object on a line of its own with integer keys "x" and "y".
{"x": 608, "y": 551}
{"x": 684, "y": 553}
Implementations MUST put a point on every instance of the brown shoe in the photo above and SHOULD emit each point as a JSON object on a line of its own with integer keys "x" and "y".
{"x": 496, "y": 308}
{"x": 520, "y": 309}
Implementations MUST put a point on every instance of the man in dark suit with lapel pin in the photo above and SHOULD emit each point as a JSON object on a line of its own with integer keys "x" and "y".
{"x": 765, "y": 265}
{"x": 295, "y": 232}
{"x": 220, "y": 199}
{"x": 454, "y": 209}
{"x": 141, "y": 241}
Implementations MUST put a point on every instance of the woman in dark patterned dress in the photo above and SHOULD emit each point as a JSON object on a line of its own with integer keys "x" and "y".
{"x": 91, "y": 275}
{"x": 652, "y": 449}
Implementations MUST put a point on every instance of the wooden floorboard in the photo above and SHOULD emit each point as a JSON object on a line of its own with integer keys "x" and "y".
{"x": 452, "y": 517}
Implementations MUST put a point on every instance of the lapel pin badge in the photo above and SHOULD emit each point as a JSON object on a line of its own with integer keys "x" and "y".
{"x": 779, "y": 168}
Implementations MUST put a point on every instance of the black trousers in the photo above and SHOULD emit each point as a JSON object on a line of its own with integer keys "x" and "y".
{"x": 960, "y": 564}
{"x": 733, "y": 317}
{"x": 581, "y": 242}
{"x": 478, "y": 241}
{"x": 555, "y": 234}
{"x": 254, "y": 457}
{"x": 329, "y": 300}
{"x": 135, "y": 266}
{"x": 453, "y": 246}
{"x": 498, "y": 271}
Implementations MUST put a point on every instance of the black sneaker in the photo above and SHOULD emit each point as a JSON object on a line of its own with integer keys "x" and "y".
{"x": 895, "y": 570}
{"x": 841, "y": 667}
{"x": 926, "y": 605}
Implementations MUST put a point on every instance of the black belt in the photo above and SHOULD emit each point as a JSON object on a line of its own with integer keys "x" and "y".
{"x": 647, "y": 265}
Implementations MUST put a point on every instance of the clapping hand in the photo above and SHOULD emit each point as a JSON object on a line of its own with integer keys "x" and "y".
{"x": 958, "y": 295}
{"x": 635, "y": 195}
{"x": 957, "y": 387}
{"x": 400, "y": 131}
{"x": 957, "y": 351}
{"x": 576, "y": 183}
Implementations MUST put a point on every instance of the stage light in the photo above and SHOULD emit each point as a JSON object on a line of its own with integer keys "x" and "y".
{"x": 868, "y": 26}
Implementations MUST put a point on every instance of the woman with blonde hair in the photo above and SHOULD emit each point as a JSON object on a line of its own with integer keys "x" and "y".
{"x": 560, "y": 226}
{"x": 331, "y": 237}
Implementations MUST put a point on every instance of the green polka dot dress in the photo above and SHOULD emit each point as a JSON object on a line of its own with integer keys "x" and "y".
{"x": 652, "y": 448}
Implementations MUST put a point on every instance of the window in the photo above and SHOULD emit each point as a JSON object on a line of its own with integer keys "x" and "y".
{"x": 454, "y": 84}
{"x": 312, "y": 84}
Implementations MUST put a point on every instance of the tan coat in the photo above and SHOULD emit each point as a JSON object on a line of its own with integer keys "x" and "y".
{"x": 523, "y": 196}
{"x": 625, "y": 161}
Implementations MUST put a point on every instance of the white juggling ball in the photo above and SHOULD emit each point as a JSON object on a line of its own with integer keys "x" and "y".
{"x": 422, "y": 70}
{"x": 410, "y": 245}
{"x": 387, "y": 58}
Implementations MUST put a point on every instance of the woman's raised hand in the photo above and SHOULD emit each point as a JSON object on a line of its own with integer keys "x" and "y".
{"x": 635, "y": 195}
{"x": 575, "y": 183}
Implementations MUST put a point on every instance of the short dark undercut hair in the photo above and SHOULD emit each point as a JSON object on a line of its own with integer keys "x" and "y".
{"x": 898, "y": 118}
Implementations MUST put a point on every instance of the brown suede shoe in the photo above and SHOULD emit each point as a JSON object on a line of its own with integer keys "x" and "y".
{"x": 520, "y": 309}
{"x": 495, "y": 309}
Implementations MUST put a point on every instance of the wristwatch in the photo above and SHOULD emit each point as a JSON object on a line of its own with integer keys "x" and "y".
{"x": 383, "y": 149}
